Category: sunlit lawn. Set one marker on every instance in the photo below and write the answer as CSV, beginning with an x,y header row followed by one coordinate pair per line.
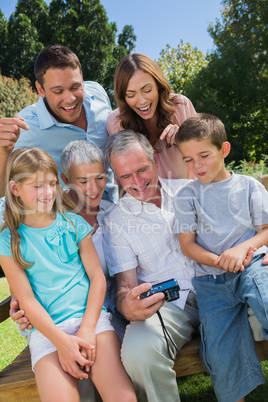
x,y
11,342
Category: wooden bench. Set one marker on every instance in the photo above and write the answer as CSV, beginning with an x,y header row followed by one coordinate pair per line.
x,y
17,381
264,180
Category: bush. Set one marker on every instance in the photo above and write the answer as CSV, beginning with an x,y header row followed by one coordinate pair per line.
x,y
250,168
15,95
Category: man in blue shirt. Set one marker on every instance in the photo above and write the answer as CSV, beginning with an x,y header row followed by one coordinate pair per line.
x,y
68,109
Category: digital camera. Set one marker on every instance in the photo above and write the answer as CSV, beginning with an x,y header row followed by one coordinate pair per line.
x,y
170,288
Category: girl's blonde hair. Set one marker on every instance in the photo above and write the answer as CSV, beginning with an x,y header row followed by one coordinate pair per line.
x,y
123,73
22,164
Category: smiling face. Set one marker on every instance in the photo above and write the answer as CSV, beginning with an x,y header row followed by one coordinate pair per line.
x,y
88,181
63,90
205,160
137,174
142,94
37,193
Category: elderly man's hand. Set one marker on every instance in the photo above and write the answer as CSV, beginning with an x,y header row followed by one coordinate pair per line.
x,y
133,308
18,315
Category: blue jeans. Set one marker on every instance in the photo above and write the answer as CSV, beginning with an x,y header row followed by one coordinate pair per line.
x,y
227,347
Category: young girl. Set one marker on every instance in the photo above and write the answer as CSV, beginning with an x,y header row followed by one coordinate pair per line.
x,y
54,271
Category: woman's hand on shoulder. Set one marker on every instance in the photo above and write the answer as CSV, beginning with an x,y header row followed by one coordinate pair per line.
x,y
169,133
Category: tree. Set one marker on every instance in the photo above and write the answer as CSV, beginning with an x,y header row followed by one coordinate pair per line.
x,y
127,38
234,85
22,46
37,11
181,65
3,35
25,31
82,25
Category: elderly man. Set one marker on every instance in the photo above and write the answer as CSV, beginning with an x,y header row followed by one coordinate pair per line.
x,y
141,250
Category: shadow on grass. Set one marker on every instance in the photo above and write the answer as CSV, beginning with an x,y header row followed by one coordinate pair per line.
x,y
199,388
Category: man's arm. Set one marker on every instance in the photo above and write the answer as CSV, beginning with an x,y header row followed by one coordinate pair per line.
x,y
128,301
10,128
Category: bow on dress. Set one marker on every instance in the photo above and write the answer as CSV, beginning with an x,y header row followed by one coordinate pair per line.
x,y
63,238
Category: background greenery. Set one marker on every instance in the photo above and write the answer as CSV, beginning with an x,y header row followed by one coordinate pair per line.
x,y
230,82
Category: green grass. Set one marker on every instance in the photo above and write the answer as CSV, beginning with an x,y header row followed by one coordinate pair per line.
x,y
195,388
199,388
11,342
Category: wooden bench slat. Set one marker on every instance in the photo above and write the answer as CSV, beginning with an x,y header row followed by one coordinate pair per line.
x,y
4,309
20,369
190,363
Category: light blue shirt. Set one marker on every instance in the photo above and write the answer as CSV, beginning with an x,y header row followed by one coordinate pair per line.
x,y
222,214
52,136
57,276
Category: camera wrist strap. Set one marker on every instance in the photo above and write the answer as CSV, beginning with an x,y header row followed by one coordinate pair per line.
x,y
168,338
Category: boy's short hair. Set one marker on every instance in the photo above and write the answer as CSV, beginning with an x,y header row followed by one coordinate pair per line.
x,y
54,56
202,126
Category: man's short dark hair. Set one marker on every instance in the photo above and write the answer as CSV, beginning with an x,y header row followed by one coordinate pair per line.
x,y
54,56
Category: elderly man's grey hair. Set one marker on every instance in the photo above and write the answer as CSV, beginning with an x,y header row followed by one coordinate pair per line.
x,y
78,152
121,143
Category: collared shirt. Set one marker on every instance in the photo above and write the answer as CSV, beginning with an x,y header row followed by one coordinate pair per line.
x,y
51,135
170,163
138,235
222,214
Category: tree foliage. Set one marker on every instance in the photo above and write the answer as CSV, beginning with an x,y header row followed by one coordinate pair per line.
x,y
15,95
234,85
3,36
181,65
82,25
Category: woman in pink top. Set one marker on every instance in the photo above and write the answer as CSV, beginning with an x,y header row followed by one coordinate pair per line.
x,y
146,104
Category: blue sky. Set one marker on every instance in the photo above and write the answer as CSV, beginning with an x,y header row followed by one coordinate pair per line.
x,y
158,22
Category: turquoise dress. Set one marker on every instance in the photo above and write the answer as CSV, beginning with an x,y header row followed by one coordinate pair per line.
x,y
57,276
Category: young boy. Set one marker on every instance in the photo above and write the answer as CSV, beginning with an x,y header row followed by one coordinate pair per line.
x,y
220,217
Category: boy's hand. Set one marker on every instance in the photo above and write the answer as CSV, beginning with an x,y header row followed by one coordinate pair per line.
x,y
265,259
249,256
232,260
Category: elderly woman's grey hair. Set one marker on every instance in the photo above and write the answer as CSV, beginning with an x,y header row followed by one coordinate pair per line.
x,y
122,142
78,152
